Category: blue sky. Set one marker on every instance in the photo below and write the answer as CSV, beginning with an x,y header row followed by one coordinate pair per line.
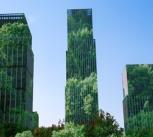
x,y
123,30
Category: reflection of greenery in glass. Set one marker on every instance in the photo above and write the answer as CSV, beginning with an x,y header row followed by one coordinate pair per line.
x,y
140,98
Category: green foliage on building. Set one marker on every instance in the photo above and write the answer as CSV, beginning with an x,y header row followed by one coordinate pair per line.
x,y
138,104
16,73
85,90
79,19
143,121
14,34
140,79
81,72
11,35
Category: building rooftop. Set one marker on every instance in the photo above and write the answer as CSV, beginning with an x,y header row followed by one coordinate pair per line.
x,y
12,17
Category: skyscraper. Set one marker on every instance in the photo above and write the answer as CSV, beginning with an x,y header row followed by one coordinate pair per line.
x,y
16,71
81,93
138,97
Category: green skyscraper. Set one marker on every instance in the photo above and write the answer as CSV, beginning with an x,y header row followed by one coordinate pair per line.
x,y
81,93
16,72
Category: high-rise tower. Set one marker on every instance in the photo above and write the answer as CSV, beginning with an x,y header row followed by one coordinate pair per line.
x,y
16,71
138,97
81,93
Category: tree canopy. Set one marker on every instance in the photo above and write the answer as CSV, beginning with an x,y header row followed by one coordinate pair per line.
x,y
70,130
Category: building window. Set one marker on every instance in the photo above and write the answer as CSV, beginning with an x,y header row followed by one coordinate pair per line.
x,y
89,12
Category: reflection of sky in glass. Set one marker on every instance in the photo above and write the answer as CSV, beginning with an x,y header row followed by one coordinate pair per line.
x,y
124,35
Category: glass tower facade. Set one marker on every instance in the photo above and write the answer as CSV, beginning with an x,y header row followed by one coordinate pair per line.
x,y
16,71
81,93
138,97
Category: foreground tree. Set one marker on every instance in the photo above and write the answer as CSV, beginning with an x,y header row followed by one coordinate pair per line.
x,y
47,132
104,126
24,134
70,130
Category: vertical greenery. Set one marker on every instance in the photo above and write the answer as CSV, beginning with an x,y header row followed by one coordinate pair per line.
x,y
139,99
78,19
140,79
15,40
81,86
86,91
